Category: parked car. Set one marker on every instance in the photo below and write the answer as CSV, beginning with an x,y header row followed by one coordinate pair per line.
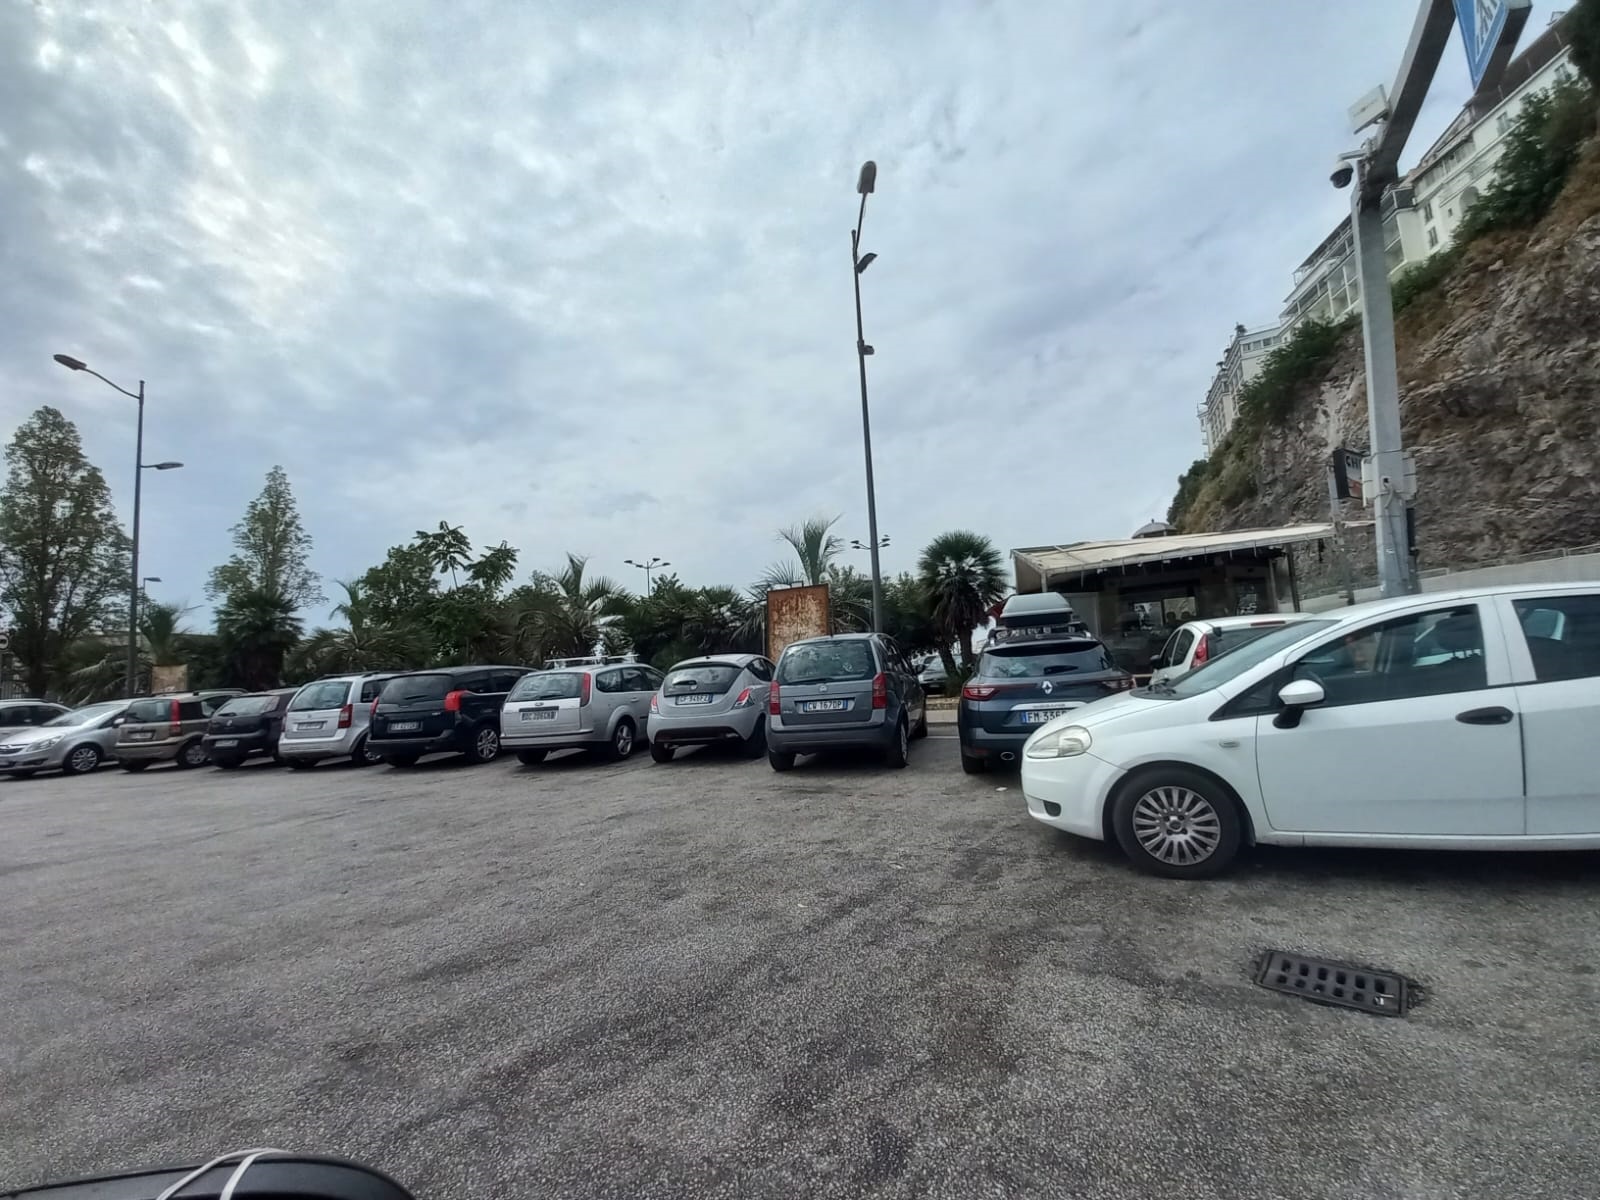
x,y
1039,662
847,690
1442,721
247,727
74,743
1195,643
168,729
594,707
28,714
446,710
330,718
933,677
717,698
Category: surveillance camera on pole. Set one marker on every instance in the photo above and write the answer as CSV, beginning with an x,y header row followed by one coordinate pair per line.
x,y
1343,172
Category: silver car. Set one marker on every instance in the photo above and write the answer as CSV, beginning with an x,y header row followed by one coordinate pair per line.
x,y
592,707
717,698
75,742
328,718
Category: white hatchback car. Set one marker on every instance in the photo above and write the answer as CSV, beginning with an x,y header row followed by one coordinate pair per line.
x,y
1195,643
1460,720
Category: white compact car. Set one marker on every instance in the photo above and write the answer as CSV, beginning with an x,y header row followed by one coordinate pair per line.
x,y
1195,643
1460,720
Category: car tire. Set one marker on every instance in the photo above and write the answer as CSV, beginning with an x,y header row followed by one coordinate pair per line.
x,y
191,756
305,764
1177,822
403,760
755,745
972,764
134,765
781,760
359,756
485,744
81,760
622,740
660,752
898,752
531,758
228,764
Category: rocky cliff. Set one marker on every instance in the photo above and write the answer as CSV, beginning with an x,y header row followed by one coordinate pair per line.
x,y
1500,403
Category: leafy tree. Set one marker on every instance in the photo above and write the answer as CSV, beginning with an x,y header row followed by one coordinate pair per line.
x,y
398,590
447,548
1583,31
63,558
961,576
573,610
905,615
1188,488
257,629
1541,148
363,643
271,547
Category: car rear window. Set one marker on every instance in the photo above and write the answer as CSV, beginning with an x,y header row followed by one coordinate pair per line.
x,y
701,677
330,693
247,706
144,712
547,685
827,662
403,689
1038,662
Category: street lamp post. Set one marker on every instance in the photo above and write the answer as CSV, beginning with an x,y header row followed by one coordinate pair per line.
x,y
649,565
77,364
858,544
866,182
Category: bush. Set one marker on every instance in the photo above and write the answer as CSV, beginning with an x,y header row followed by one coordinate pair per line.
x,y
1270,396
1583,27
1542,146
1420,278
1188,488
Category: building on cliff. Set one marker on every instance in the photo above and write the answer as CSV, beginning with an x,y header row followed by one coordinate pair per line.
x,y
1240,363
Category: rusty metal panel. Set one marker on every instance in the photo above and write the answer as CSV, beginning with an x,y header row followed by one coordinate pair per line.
x,y
169,679
795,613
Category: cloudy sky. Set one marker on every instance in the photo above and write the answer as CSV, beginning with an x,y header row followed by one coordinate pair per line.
x,y
576,275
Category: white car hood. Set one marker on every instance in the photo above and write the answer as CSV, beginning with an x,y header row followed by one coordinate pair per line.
x,y
1137,708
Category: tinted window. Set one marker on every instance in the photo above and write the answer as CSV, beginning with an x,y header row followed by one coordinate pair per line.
x,y
1182,643
1563,635
1230,666
370,689
761,669
146,712
547,685
504,681
701,677
330,693
87,716
248,706
827,662
407,689
1223,640
206,705
1420,654
1037,662
608,681
472,681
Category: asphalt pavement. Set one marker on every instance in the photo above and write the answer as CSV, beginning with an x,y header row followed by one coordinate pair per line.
x,y
707,979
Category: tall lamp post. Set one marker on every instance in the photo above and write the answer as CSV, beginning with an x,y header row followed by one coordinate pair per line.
x,y
77,364
647,566
865,183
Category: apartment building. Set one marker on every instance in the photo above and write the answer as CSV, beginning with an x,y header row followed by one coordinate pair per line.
x,y
1239,364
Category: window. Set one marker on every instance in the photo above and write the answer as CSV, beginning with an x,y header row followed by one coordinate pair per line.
x,y
206,706
330,693
87,716
370,689
1427,211
1039,662
635,680
409,689
761,669
1563,635
827,660
504,681
608,681
1183,642
1433,237
248,706
1421,654
652,678
1502,123
547,685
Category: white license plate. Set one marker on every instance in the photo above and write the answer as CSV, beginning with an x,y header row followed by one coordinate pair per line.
x,y
1038,716
811,706
404,726
701,699
538,714
224,743
142,735
302,725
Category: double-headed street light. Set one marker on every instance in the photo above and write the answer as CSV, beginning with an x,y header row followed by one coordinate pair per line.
x,y
135,584
866,182
647,566
858,544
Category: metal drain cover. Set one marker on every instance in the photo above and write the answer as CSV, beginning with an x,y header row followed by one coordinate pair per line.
x,y
1323,982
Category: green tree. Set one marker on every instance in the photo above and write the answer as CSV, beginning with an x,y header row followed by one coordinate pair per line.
x,y
363,643
1583,31
962,577
1541,148
258,629
100,667
816,548
447,548
905,615
63,557
572,609
270,550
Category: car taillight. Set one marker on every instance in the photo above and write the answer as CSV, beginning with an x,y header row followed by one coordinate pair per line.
x,y
775,700
1202,650
978,691
585,684
880,690
452,701
345,714
374,711
744,699
176,719
655,703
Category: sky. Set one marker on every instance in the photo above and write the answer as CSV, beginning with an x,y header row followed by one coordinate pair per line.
x,y
576,275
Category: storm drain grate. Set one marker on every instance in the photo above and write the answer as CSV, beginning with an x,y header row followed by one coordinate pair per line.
x,y
1380,992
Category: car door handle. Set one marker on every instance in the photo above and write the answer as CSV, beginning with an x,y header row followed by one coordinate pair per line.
x,y
1486,716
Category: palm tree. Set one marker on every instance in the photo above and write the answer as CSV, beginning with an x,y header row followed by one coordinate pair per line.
x,y
816,548
258,629
571,612
961,577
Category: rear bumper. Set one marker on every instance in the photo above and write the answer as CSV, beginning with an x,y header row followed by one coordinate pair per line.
x,y
320,748
809,739
450,742
718,727
518,737
243,744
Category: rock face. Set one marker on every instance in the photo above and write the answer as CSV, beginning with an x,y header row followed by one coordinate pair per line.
x,y
1500,404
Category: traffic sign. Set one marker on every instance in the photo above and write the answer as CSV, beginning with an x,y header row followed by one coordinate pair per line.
x,y
1482,24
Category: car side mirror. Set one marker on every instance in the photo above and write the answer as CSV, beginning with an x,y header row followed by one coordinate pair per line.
x,y
1295,697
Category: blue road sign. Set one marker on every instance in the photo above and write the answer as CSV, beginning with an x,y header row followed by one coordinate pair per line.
x,y
1482,22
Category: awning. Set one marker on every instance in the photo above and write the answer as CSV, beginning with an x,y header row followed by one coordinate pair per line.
x,y
1089,558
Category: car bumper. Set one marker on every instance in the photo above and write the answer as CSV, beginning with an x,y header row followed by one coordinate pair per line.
x,y
315,749
33,760
718,727
519,738
809,739
1070,793
243,744
444,743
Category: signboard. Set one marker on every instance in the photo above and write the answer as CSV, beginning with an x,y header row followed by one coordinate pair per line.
x,y
1347,474
1482,22
795,613
169,679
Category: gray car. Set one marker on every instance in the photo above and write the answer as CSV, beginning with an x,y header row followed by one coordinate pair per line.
x,y
717,698
848,690
605,707
74,743
328,718
24,713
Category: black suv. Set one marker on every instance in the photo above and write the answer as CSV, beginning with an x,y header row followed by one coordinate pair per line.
x,y
447,710
1040,662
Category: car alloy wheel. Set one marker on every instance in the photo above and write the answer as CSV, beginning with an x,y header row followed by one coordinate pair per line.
x,y
82,760
1176,826
622,740
192,755
487,745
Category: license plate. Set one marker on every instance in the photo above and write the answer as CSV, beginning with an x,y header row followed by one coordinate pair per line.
x,y
538,714
1038,716
404,726
224,743
702,699
309,724
811,706
142,735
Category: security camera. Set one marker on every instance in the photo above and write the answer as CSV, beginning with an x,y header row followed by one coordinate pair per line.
x,y
1343,173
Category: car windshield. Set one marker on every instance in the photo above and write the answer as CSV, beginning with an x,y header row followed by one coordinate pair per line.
x,y
329,693
547,685
1235,663
1037,662
247,706
827,662
86,716
404,689
701,677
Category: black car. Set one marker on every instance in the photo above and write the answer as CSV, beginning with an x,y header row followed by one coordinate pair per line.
x,y
1041,661
247,727
446,710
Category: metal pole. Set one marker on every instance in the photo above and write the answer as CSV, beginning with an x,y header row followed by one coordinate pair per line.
x,y
866,425
133,591
1395,574
1341,555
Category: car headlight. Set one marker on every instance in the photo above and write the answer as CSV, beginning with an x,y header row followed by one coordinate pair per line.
x,y
1060,743
46,743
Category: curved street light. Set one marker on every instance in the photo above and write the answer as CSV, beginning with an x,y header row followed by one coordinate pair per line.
x,y
866,184
649,565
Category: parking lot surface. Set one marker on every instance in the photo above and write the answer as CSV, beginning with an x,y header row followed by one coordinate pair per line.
x,y
707,979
